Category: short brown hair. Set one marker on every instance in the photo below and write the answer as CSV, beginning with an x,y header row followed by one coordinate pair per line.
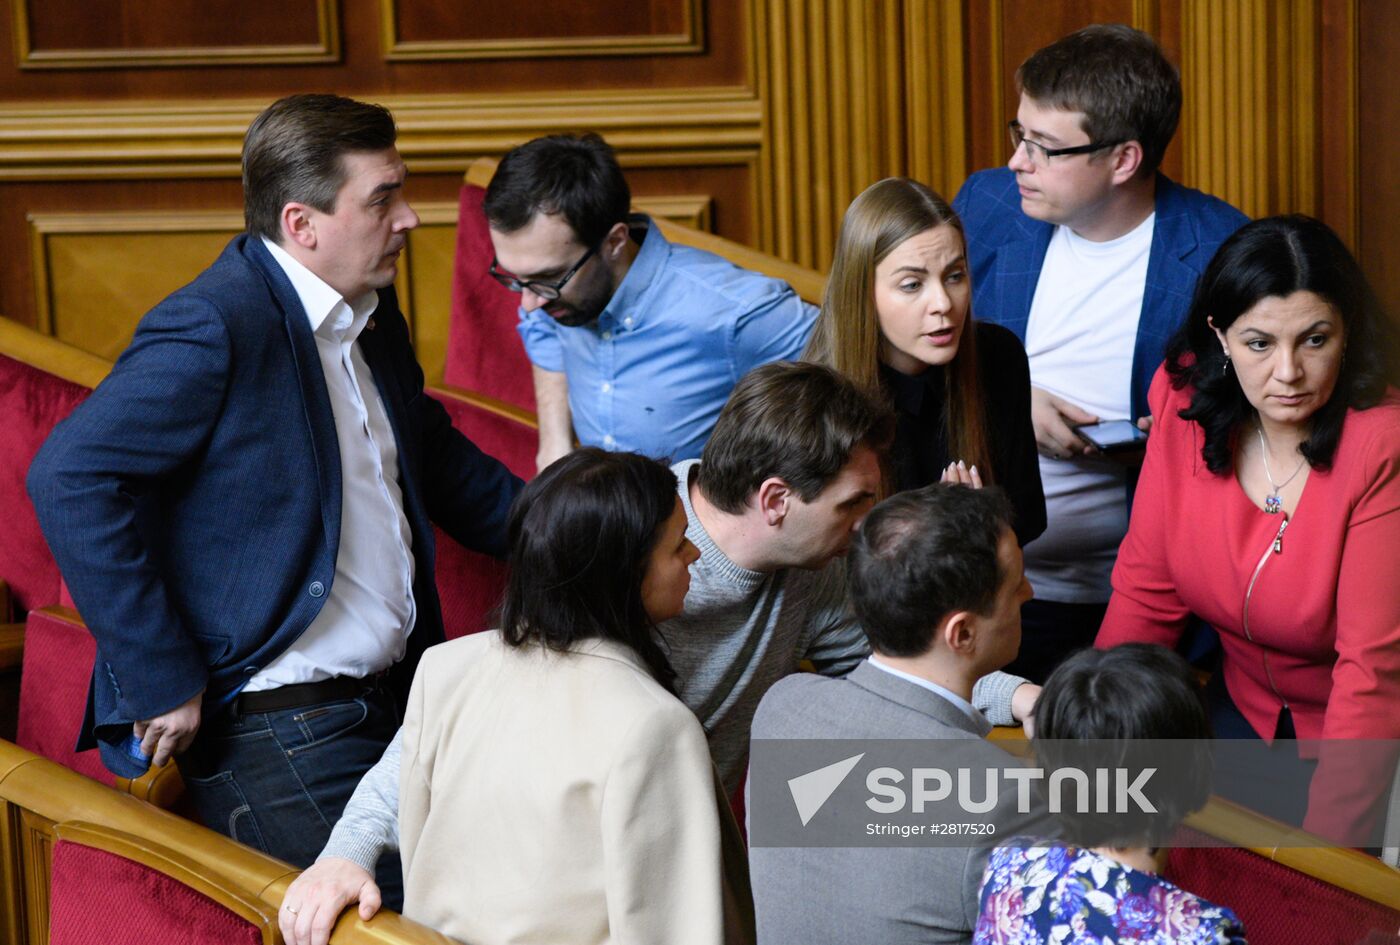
x,y
293,153
798,422
1118,77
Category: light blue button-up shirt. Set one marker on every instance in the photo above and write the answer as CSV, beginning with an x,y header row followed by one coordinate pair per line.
x,y
652,373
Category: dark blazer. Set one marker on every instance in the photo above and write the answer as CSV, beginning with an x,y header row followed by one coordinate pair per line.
x,y
920,452
1006,249
193,501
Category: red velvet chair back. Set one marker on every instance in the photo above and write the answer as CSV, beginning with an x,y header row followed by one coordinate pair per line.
x,y
470,584
1279,905
32,402
101,897
53,685
484,352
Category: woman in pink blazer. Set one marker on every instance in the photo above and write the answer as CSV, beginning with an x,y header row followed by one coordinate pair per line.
x,y
1269,507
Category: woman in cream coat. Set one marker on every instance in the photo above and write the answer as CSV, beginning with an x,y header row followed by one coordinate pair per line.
x,y
553,788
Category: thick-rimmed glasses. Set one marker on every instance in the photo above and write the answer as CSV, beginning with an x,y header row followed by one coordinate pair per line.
x,y
1040,155
549,291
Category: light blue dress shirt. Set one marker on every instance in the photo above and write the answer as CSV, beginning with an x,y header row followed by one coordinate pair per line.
x,y
652,373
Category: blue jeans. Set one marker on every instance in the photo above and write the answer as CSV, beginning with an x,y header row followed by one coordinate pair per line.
x,y
278,781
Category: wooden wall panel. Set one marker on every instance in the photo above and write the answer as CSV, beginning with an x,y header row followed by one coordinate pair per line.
x,y
1378,164
75,34
97,273
425,29
364,69
763,118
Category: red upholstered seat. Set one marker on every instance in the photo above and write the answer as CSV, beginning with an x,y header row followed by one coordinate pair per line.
x,y
100,898
484,353
470,584
1279,905
31,403
58,656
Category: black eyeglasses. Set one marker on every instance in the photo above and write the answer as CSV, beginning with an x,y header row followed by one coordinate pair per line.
x,y
1040,154
549,291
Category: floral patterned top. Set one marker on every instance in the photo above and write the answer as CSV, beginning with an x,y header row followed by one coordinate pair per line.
x,y
1062,895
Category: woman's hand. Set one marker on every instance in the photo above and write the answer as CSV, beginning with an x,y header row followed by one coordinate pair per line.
x,y
314,900
962,474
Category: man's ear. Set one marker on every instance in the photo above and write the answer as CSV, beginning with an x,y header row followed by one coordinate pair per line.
x,y
774,495
959,633
614,242
298,225
1127,159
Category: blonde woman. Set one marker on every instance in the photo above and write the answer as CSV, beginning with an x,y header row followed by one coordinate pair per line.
x,y
896,317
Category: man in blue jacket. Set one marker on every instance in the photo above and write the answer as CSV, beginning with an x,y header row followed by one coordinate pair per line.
x,y
1086,251
241,509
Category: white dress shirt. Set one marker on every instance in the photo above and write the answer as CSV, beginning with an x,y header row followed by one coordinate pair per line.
x,y
369,610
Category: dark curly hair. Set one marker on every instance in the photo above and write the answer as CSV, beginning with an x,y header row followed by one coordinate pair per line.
x,y
1276,257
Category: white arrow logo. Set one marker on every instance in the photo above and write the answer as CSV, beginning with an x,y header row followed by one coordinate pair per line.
x,y
811,790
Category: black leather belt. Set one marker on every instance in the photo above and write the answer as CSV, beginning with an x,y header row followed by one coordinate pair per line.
x,y
295,696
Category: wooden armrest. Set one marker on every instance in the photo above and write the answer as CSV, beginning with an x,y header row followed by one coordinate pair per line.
x,y
11,646
159,786
485,402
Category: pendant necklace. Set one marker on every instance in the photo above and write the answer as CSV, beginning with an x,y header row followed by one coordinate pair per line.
x,y
1273,503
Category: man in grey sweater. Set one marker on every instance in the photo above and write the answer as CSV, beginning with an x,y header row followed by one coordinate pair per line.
x,y
786,478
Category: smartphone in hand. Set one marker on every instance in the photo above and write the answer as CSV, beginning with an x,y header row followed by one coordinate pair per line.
x,y
1112,436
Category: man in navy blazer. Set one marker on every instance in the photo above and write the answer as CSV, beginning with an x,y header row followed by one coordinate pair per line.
x,y
242,508
1090,255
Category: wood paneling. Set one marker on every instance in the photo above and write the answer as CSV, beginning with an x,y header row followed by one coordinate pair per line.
x,y
96,274
363,70
1249,73
79,34
834,116
422,29
777,111
1378,164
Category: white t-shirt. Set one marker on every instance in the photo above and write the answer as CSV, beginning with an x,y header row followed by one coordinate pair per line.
x,y
1080,341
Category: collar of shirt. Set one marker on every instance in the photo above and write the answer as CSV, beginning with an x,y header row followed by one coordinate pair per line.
x,y
330,315
967,708
625,309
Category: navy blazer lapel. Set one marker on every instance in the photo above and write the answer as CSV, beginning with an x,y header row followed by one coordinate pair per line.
x,y
915,698
316,400
1017,273
1169,285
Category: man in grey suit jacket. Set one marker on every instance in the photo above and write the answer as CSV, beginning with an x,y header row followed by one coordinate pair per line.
x,y
936,581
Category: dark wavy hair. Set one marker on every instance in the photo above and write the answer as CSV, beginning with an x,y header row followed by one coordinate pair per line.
x,y
580,535
1138,706
1276,257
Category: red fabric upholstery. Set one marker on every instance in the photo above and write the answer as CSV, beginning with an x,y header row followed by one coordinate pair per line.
x,y
484,353
53,685
1278,905
508,440
99,898
31,403
470,584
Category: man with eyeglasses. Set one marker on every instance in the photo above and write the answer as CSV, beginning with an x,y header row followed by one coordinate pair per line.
x,y
634,342
1086,251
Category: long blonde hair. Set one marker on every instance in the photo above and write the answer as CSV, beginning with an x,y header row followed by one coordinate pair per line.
x,y
847,335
